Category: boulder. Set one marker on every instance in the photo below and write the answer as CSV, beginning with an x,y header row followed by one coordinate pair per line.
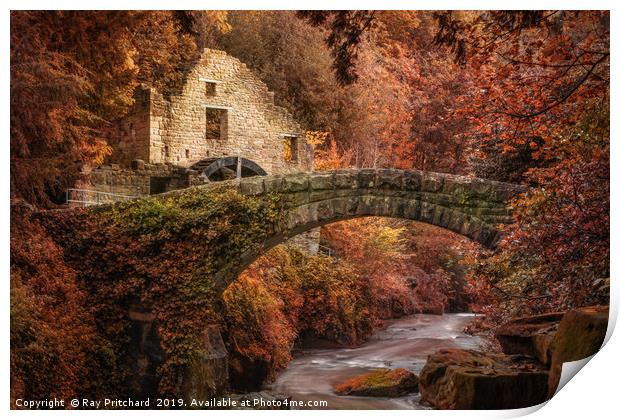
x,y
381,383
580,334
469,379
531,336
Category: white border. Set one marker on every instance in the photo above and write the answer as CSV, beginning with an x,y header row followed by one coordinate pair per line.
x,y
593,394
313,5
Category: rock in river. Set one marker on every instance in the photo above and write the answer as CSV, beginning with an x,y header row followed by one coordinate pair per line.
x,y
556,338
468,379
381,383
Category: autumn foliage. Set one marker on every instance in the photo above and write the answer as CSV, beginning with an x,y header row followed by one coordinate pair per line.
x,y
286,297
377,269
516,96
557,252
56,350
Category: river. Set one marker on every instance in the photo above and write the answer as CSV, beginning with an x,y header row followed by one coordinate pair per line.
x,y
403,343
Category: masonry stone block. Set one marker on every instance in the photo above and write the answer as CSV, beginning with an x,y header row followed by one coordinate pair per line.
x,y
352,205
296,198
391,179
366,178
427,212
322,181
412,181
321,195
273,184
325,211
345,180
295,183
432,182
252,186
412,209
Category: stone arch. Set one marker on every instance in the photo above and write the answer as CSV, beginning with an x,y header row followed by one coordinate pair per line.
x,y
210,167
471,207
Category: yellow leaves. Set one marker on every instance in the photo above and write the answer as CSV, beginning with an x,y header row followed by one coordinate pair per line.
x,y
387,240
316,138
220,19
288,151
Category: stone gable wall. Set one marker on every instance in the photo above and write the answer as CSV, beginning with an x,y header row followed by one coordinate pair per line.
x,y
166,131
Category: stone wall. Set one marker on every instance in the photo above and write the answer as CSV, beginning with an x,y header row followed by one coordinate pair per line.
x,y
131,136
140,179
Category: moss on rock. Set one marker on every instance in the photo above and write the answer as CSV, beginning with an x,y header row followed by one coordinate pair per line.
x,y
382,383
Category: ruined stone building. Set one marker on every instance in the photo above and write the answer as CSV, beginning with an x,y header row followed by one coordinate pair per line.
x,y
223,124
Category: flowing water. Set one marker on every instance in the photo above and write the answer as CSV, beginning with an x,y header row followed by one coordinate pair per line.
x,y
404,343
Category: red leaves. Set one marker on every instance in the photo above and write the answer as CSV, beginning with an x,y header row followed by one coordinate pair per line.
x,y
559,245
52,330
537,80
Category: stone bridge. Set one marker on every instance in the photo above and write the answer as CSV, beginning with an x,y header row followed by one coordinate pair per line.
x,y
472,207
179,219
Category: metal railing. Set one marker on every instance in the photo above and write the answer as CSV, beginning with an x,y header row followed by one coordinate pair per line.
x,y
325,250
84,197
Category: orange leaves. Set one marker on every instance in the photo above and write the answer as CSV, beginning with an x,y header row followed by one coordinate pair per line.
x,y
285,295
332,158
537,80
388,254
316,138
257,326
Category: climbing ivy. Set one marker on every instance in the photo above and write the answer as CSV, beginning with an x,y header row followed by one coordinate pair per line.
x,y
160,254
